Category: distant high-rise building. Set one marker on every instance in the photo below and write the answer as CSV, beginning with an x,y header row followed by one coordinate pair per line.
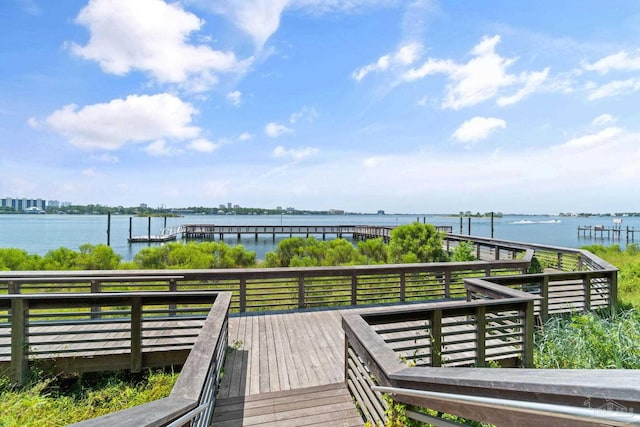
x,y
23,203
53,203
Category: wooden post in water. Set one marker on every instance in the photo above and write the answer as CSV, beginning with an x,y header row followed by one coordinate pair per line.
x,y
469,226
130,227
492,225
108,228
460,224
149,229
165,221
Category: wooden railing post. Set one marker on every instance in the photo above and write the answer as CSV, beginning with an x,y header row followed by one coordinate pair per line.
x,y
19,340
403,287
436,338
613,291
544,303
13,287
481,337
447,283
586,286
173,287
136,334
560,261
527,338
496,248
96,286
301,292
243,294
354,289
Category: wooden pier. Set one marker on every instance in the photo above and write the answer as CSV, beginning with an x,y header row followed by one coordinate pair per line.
x,y
357,232
166,235
610,233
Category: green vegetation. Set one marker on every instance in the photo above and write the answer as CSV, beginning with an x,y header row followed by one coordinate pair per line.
x,y
416,243
628,261
194,255
299,252
63,400
590,341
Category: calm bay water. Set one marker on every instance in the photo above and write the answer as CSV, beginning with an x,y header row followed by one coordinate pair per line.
x,y
39,234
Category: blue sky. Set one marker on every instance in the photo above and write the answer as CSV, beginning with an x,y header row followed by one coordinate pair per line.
x,y
406,106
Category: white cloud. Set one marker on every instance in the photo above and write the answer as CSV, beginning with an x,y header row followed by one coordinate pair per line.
x,y
245,136
90,173
602,138
604,119
216,188
135,119
30,7
274,130
295,154
480,79
404,56
159,148
151,36
202,145
620,61
532,82
259,19
306,113
105,158
478,128
235,97
616,87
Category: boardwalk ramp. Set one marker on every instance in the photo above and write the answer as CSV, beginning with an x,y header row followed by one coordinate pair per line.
x,y
328,405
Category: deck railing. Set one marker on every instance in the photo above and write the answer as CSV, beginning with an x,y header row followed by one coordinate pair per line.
x,y
261,289
193,396
402,349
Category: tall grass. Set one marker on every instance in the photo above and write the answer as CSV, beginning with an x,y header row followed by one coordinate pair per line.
x,y
589,341
60,401
628,261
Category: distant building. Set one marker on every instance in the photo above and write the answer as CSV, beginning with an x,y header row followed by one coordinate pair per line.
x,y
229,205
381,212
53,203
65,204
22,204
143,206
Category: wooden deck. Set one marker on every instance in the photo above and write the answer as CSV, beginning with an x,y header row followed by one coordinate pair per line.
x,y
285,369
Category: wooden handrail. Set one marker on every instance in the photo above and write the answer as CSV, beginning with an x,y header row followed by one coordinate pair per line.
x,y
196,385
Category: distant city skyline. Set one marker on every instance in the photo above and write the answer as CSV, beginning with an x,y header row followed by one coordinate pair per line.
x,y
361,105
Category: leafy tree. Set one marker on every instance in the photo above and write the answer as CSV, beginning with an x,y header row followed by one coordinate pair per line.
x,y
416,242
60,259
374,251
286,250
463,252
18,259
310,252
341,252
195,255
97,257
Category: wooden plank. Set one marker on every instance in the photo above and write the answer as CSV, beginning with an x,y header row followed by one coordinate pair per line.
x,y
325,405
272,357
254,363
